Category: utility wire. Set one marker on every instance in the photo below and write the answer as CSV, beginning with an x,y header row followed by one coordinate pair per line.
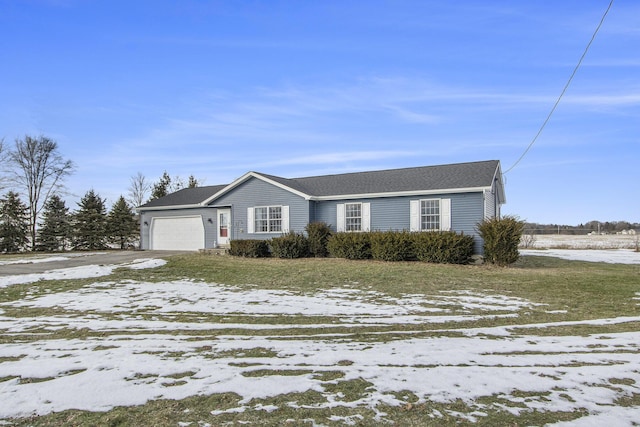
x,y
566,86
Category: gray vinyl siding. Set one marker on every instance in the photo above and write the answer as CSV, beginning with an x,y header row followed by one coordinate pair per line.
x,y
489,205
205,213
466,213
255,192
393,213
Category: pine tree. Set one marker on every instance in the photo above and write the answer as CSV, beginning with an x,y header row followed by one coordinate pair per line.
x,y
122,226
14,224
55,230
167,185
193,182
90,223
162,187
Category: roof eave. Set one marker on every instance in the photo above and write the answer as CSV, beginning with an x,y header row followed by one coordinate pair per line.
x,y
165,207
402,193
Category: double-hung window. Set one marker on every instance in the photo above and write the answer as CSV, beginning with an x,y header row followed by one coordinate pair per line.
x,y
353,217
430,215
268,219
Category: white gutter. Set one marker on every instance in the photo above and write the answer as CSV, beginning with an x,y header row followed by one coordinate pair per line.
x,y
401,193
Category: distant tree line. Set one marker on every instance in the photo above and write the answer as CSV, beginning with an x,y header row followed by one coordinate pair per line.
x,y
34,216
607,227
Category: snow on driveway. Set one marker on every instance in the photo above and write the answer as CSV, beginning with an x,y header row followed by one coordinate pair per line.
x,y
81,272
48,258
174,351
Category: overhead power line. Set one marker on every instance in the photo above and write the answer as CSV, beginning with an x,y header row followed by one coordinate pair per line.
x,y
566,86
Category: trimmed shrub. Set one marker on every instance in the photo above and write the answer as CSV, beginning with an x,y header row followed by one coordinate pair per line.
x,y
501,238
443,247
249,248
318,234
290,245
392,245
350,245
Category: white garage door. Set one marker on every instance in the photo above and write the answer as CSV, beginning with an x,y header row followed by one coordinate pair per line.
x,y
177,233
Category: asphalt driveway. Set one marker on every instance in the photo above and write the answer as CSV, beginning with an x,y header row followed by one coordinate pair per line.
x,y
40,263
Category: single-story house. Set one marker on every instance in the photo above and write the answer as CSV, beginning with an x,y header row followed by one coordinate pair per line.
x,y
260,206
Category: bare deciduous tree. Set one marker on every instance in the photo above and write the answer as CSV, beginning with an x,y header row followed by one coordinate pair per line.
x,y
37,168
138,190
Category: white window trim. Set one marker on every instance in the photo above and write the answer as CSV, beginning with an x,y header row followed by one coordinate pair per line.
x,y
365,215
284,219
415,222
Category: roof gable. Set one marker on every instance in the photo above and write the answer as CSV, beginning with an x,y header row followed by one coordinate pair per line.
x,y
284,183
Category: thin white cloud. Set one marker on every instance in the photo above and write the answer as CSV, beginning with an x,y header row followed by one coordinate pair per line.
x,y
290,130
340,157
603,100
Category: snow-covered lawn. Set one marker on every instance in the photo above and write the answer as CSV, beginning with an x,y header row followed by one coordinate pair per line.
x,y
598,241
612,256
176,349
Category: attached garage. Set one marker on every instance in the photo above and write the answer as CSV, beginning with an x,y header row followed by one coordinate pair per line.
x,y
184,233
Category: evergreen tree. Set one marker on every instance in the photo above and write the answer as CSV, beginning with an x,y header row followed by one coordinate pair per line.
x,y
122,226
193,182
90,223
167,185
14,224
55,230
162,187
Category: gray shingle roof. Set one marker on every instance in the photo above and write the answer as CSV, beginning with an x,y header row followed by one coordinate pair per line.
x,y
424,178
186,196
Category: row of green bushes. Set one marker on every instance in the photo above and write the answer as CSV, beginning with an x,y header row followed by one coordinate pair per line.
x,y
439,247
501,237
443,247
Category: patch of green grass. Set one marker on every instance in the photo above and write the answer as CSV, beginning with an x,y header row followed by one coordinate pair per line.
x,y
276,372
181,375
631,400
589,290
247,352
349,391
154,413
300,409
623,381
28,380
328,375
104,347
12,358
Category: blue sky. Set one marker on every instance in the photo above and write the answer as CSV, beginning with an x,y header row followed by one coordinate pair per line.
x,y
300,88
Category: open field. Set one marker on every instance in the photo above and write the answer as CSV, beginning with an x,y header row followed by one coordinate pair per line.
x,y
212,340
561,241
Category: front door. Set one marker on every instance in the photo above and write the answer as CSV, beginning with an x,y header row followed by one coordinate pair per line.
x,y
224,219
